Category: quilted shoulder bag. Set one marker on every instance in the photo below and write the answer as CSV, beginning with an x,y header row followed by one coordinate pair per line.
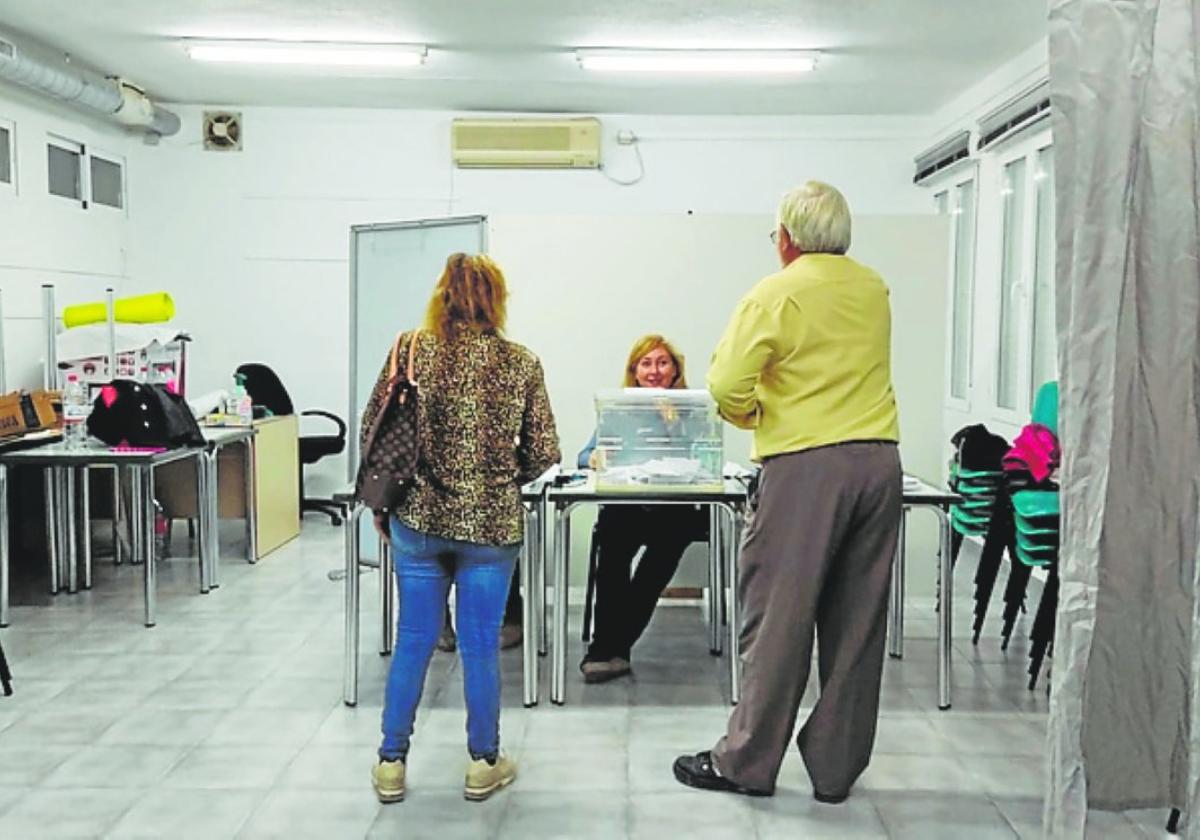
x,y
391,451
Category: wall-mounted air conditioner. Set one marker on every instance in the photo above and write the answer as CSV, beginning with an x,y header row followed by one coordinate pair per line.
x,y
527,143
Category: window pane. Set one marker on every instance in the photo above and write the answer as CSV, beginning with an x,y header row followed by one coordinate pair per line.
x,y
5,156
106,182
1008,355
964,281
64,172
1045,351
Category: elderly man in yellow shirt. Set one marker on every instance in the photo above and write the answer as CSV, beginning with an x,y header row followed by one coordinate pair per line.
x,y
806,363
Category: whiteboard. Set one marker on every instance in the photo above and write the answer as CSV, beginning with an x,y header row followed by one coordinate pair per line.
x,y
584,287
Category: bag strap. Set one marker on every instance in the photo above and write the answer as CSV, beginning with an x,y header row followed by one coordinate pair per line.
x,y
412,352
394,363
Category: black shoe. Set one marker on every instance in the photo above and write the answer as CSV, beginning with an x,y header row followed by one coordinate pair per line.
x,y
830,798
698,771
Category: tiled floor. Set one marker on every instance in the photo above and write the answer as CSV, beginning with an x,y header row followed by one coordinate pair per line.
x,y
226,721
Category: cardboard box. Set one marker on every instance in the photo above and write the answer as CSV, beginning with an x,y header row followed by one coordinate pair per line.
x,y
22,412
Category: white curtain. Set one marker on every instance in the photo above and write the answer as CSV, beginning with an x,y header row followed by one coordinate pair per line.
x,y
1123,78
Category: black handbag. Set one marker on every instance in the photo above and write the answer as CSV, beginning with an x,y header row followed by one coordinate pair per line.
x,y
132,413
391,450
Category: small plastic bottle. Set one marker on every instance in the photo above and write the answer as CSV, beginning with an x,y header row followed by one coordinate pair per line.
x,y
76,408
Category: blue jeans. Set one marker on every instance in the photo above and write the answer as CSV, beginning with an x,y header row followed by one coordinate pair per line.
x,y
425,567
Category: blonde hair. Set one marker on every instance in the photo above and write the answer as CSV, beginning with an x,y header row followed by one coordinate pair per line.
x,y
816,218
471,294
647,344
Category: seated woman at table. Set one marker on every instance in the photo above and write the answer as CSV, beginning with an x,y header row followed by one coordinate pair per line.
x,y
625,602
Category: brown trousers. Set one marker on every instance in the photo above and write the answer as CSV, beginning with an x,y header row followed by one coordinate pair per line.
x,y
816,560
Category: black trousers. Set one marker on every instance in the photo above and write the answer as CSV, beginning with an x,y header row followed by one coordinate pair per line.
x,y
625,599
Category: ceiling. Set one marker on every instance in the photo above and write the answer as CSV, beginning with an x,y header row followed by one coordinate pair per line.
x,y
899,57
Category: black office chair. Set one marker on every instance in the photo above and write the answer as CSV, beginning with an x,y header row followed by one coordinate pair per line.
x,y
270,397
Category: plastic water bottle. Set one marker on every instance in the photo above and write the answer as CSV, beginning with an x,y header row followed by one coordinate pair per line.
x,y
76,408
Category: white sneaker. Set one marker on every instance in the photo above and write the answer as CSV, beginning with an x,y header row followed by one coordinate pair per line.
x,y
484,779
387,777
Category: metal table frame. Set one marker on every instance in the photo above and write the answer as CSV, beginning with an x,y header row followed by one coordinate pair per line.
x,y
532,582
66,472
207,497
928,497
722,577
723,540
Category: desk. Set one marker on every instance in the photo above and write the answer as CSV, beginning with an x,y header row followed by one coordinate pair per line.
x,y
16,444
532,581
66,466
731,500
260,484
722,575
917,494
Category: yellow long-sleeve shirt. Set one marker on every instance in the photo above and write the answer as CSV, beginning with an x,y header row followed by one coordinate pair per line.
x,y
806,359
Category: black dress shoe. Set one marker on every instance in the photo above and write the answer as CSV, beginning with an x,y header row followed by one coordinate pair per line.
x,y
698,771
830,798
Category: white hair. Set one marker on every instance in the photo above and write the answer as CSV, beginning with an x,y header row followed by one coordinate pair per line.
x,y
816,218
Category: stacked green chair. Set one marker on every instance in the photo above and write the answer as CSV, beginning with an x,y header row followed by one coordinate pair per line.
x,y
976,476
1037,518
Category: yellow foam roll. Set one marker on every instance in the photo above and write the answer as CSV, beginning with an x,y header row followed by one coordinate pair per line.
x,y
142,309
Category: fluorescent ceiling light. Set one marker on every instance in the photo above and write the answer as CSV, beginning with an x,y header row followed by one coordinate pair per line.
x,y
313,53
698,61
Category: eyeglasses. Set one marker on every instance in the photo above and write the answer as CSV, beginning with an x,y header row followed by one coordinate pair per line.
x,y
775,236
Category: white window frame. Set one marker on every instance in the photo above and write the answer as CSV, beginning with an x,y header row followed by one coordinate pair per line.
x,y
85,175
949,186
1027,149
117,160
10,188
1036,156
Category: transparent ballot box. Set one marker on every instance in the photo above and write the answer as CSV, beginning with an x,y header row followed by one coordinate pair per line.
x,y
656,438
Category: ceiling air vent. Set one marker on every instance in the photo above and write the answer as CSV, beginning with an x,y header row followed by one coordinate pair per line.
x,y
524,144
222,131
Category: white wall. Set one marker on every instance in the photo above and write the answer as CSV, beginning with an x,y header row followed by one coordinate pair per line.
x,y
48,239
682,275
254,244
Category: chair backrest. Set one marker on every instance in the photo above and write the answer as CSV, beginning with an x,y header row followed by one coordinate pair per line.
x,y
265,389
1045,406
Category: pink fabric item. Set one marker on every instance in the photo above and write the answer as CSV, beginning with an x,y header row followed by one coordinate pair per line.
x,y
1035,450
109,394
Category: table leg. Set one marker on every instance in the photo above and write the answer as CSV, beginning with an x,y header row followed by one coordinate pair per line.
x,y
946,608
543,624
387,589
353,545
714,582
735,623
4,558
145,512
85,525
251,504
562,535
48,479
202,515
896,594
72,537
212,537
116,515
529,609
